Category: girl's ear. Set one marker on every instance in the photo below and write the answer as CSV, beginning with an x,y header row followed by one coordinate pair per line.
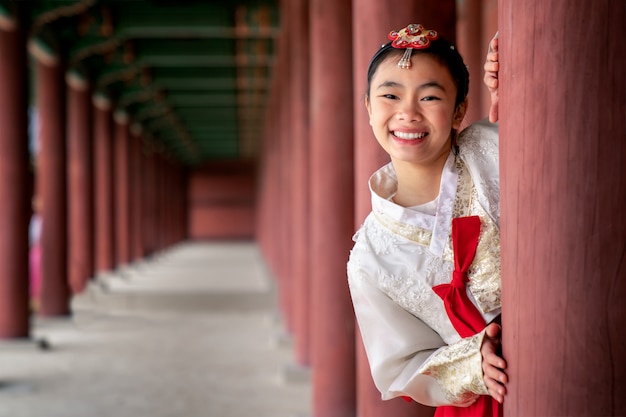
x,y
368,105
459,114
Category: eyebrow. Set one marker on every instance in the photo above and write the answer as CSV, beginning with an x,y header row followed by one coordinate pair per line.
x,y
430,84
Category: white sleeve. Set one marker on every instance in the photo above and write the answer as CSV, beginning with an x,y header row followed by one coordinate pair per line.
x,y
408,358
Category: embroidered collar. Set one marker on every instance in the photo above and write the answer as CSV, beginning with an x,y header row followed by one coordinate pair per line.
x,y
384,183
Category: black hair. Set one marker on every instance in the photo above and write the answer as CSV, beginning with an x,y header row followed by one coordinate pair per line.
x,y
441,49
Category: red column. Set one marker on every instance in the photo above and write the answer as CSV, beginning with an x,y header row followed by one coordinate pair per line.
x,y
298,21
14,185
136,206
173,169
156,186
148,187
181,202
167,201
164,200
266,193
275,183
282,223
121,188
372,21
273,192
470,35
183,187
103,183
158,206
331,214
489,25
563,193
55,292
80,183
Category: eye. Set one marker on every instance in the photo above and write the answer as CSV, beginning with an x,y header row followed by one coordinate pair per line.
x,y
389,96
430,98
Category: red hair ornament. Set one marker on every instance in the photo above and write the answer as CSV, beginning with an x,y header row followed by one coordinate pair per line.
x,y
414,36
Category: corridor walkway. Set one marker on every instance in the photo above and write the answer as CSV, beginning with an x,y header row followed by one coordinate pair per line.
x,y
191,333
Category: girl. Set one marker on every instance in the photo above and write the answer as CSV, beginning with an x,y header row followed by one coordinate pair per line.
x,y
424,272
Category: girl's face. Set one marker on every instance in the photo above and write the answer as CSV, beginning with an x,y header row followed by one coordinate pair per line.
x,y
412,111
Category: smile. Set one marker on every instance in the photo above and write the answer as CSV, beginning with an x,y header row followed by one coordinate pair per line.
x,y
409,136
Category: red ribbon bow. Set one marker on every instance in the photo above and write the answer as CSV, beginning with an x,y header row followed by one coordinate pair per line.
x,y
463,314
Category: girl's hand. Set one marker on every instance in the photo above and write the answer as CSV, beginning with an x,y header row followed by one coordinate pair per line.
x,y
493,365
492,66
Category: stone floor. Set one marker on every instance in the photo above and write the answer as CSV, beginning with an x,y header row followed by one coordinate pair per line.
x,y
192,332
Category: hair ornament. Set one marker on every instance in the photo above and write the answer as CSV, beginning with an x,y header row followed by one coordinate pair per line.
x,y
414,36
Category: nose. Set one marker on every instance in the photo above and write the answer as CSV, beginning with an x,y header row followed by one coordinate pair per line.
x,y
409,111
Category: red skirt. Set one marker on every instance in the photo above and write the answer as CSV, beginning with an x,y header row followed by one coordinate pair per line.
x,y
485,406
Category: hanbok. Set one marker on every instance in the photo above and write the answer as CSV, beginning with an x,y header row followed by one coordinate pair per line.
x,y
420,312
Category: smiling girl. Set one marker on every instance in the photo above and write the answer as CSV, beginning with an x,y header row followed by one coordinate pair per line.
x,y
424,272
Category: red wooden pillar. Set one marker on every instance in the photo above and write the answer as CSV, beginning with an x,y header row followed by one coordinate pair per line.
x,y
156,201
14,186
136,204
161,199
159,182
173,170
148,187
175,202
183,181
177,195
80,183
563,193
331,213
180,188
55,291
298,19
167,201
470,37
121,188
272,219
278,200
103,183
282,223
264,232
372,21
183,189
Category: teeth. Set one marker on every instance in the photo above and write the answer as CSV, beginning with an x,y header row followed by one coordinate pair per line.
x,y
405,135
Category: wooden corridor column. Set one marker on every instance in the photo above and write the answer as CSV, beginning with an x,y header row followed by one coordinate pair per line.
x,y
298,19
372,21
52,180
274,204
266,217
331,208
80,183
168,200
148,187
14,187
159,183
121,191
473,50
136,204
563,194
103,184
282,222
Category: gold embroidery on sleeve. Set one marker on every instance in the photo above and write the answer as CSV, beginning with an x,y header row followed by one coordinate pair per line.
x,y
457,368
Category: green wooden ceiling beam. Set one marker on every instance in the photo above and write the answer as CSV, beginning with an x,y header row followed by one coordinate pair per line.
x,y
194,74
